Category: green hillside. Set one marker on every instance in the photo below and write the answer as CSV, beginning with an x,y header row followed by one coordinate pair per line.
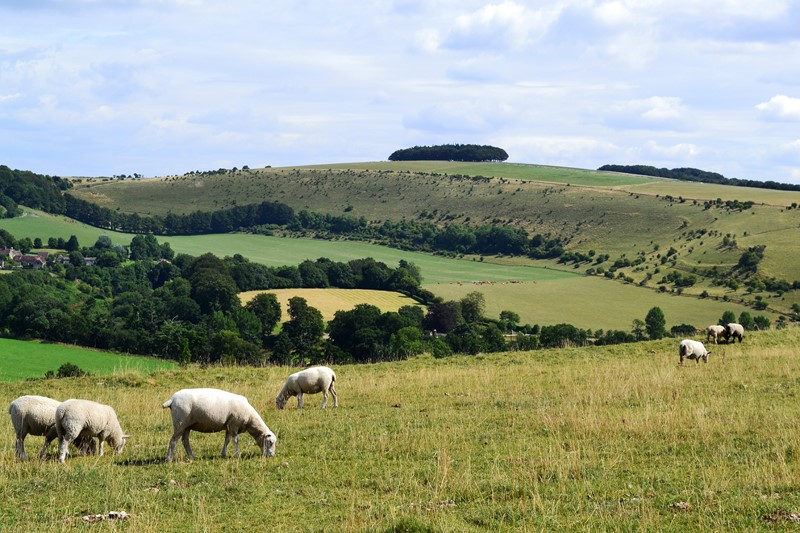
x,y
634,219
542,292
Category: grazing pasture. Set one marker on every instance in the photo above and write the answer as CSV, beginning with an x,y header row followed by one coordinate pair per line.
x,y
614,438
31,359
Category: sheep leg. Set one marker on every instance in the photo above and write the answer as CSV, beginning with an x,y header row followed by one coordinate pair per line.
x,y
324,399
333,393
63,444
20,447
225,444
171,448
102,442
299,400
42,453
186,446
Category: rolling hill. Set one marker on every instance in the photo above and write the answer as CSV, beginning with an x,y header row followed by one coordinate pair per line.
x,y
636,221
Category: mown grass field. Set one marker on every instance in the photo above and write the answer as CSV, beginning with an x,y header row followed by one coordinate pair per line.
x,y
23,360
328,301
617,438
591,303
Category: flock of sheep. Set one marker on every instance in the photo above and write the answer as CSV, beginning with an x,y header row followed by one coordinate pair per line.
x,y
80,422
691,349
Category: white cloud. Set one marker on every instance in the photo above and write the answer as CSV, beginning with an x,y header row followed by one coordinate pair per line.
x,y
656,112
677,152
506,25
780,107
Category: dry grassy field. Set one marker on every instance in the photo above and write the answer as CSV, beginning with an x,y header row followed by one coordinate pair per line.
x,y
614,438
328,301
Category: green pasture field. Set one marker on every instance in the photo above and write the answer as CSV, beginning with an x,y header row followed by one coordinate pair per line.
x,y
590,303
328,301
278,251
612,438
31,359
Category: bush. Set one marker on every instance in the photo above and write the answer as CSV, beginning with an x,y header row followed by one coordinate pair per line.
x,y
67,370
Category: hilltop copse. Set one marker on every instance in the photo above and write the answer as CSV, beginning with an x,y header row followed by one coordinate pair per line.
x,y
450,152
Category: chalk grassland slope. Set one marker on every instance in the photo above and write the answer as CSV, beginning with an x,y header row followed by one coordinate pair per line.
x,y
590,303
328,301
615,219
546,299
23,359
613,438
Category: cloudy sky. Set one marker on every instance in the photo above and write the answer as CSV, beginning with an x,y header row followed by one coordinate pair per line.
x,y
155,87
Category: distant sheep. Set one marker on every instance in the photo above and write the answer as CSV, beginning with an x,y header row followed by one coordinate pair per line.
x,y
308,381
81,419
36,415
715,331
690,349
212,410
734,330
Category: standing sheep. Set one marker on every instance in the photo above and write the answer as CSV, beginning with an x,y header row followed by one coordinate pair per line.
x,y
81,419
690,349
36,415
714,331
212,410
308,381
734,330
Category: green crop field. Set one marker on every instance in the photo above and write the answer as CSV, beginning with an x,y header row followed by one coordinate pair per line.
x,y
26,359
599,439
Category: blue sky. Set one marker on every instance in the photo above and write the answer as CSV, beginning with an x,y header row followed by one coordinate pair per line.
x,y
157,87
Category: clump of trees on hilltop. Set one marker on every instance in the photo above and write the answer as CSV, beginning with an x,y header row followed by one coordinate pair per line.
x,y
450,152
694,174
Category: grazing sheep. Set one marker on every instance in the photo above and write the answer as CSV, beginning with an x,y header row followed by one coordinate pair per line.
x,y
85,419
36,415
308,381
714,331
734,330
690,349
212,410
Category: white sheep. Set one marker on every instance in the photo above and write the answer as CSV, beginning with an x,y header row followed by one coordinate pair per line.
x,y
690,349
85,419
714,331
734,330
36,415
212,410
309,381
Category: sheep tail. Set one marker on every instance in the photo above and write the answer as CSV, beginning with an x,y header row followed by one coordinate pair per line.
x,y
167,404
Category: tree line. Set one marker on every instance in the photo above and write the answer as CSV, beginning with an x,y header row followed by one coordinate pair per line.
x,y
694,174
142,298
450,152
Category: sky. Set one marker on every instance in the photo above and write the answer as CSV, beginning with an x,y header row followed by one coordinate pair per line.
x,y
161,87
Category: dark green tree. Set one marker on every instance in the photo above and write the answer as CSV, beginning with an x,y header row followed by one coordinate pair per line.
x,y
655,323
305,326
